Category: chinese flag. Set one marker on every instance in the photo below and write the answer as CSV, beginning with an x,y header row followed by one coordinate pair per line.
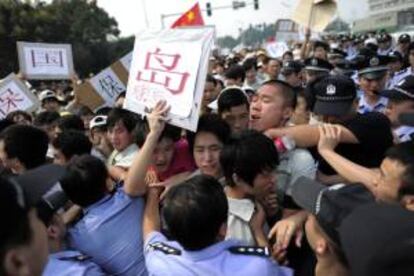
x,y
191,18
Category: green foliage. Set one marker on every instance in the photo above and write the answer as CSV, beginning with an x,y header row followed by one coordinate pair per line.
x,y
252,36
78,22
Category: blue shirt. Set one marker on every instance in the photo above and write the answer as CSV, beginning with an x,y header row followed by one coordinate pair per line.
x,y
111,233
216,259
71,263
379,106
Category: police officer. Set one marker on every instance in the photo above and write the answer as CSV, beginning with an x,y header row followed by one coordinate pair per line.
x,y
195,216
404,41
315,68
384,44
401,100
410,69
372,77
292,72
395,66
62,261
345,68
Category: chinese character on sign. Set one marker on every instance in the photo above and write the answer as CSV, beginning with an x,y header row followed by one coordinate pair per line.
x,y
159,69
46,58
110,86
8,101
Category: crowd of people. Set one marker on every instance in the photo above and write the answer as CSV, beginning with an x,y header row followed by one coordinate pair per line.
x,y
301,165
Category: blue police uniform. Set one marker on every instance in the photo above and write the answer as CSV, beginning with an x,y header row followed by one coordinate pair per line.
x,y
404,133
364,106
399,76
111,233
71,263
164,257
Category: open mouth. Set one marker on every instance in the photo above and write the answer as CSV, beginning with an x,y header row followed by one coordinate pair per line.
x,y
254,117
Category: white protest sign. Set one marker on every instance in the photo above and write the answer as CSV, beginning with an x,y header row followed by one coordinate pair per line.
x,y
45,61
14,95
108,85
170,65
276,49
126,61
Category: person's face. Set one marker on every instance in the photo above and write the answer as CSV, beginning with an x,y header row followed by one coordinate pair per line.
x,y
394,109
86,120
384,45
251,75
21,120
403,46
395,66
294,79
8,163
237,117
301,115
320,52
311,76
264,184
388,181
58,157
163,154
29,259
267,109
210,93
206,153
120,137
411,58
51,105
287,58
273,68
372,87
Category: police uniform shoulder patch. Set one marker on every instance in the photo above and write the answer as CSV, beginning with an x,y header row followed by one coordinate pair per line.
x,y
77,258
250,251
164,248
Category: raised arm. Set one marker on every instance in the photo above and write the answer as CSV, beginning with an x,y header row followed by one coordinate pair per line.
x,y
134,184
151,221
329,138
308,135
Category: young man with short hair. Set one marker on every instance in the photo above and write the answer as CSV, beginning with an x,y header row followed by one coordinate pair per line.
x,y
234,76
68,144
233,107
23,147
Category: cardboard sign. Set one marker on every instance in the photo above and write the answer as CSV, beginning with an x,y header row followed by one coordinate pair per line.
x,y
104,88
276,49
126,61
315,14
170,65
45,61
14,95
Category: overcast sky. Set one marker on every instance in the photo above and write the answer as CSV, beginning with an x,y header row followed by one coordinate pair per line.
x,y
130,14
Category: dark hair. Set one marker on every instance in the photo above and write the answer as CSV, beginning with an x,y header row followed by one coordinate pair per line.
x,y
70,122
103,110
194,211
248,155
46,118
85,180
26,143
235,72
231,97
13,114
72,142
210,78
403,153
276,59
300,92
286,90
287,53
211,123
5,123
249,64
17,230
170,131
128,118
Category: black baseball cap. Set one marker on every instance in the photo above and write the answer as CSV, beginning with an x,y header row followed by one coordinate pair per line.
x,y
395,56
291,67
317,64
378,239
404,38
329,204
373,66
334,95
403,91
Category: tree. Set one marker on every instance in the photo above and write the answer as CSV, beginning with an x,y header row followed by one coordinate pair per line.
x,y
80,23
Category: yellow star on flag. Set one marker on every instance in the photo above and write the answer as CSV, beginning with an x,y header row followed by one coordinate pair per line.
x,y
190,16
